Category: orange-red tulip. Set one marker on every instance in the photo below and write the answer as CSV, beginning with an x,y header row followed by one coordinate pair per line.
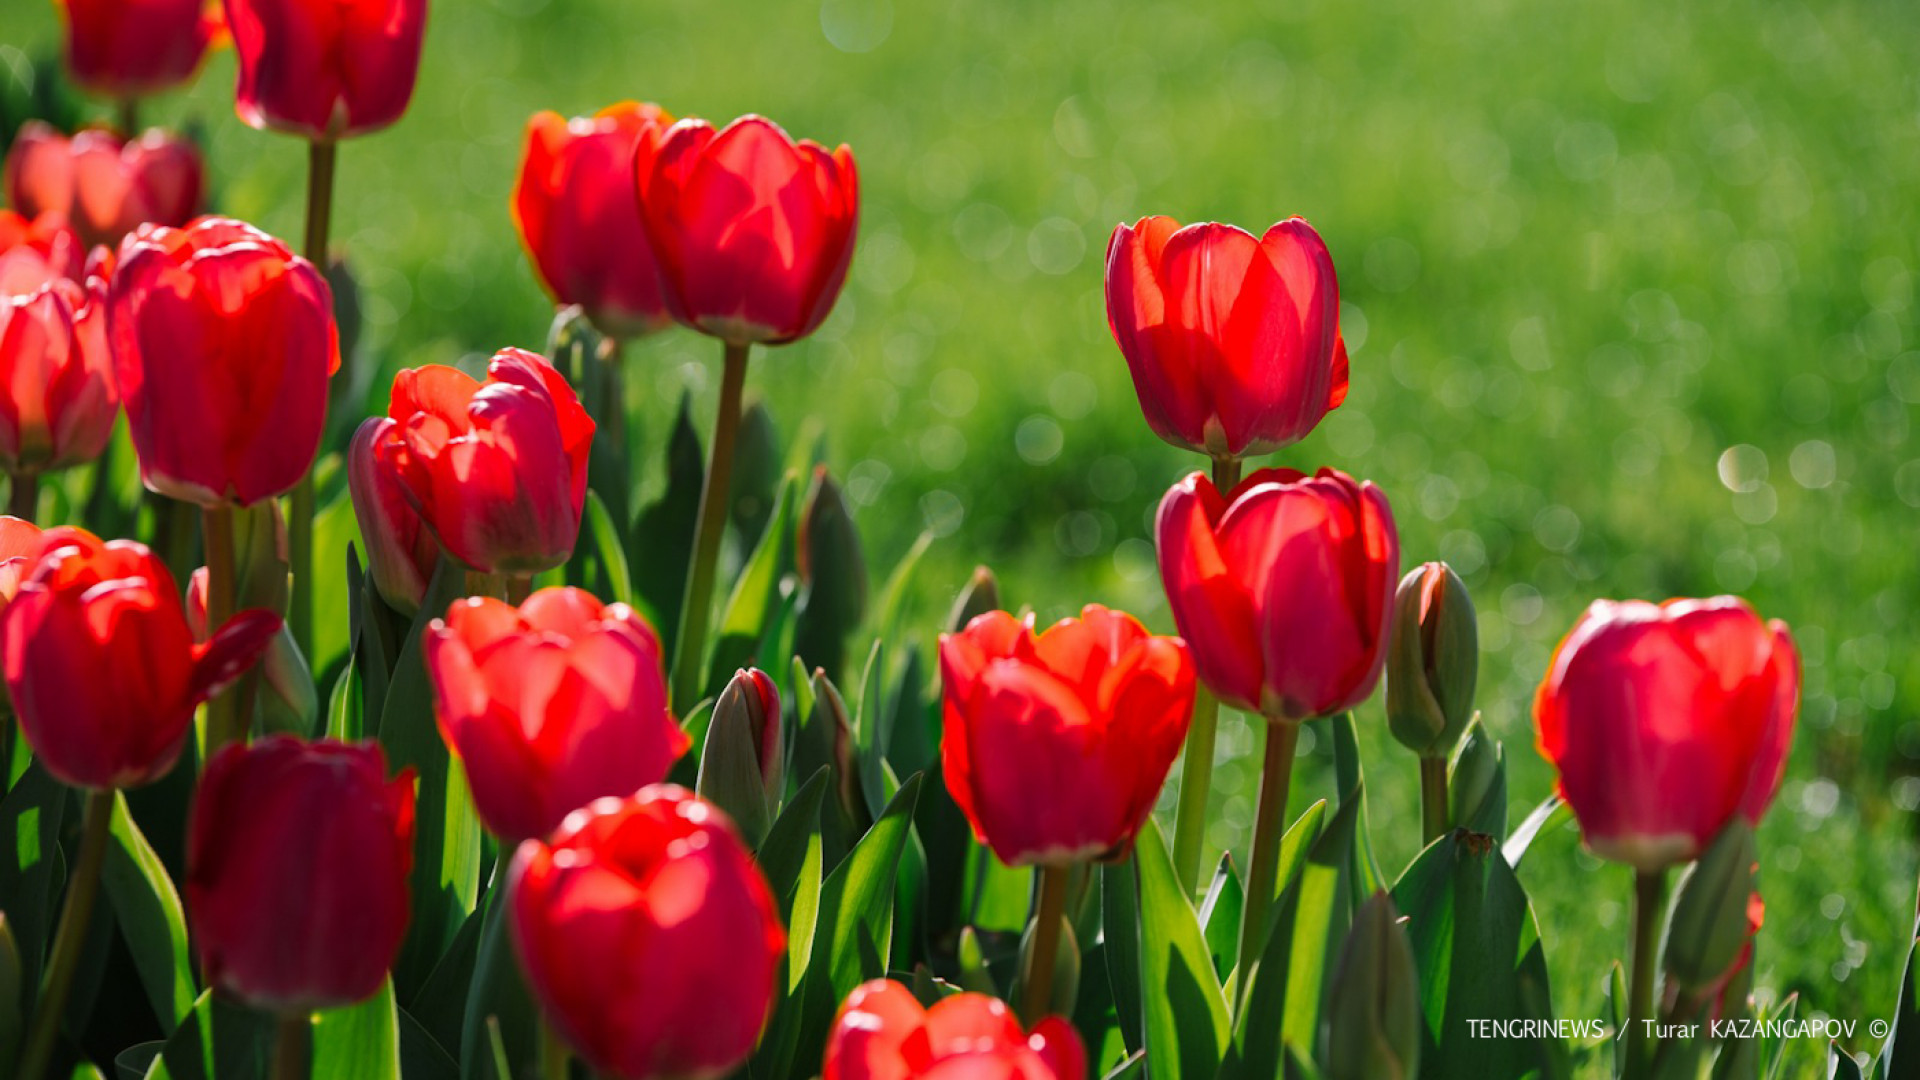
x,y
105,185
34,251
1666,720
1056,744
19,550
883,1033
326,69
57,395
126,48
401,551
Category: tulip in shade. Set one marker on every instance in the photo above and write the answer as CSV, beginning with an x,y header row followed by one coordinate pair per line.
x,y
34,251
1056,744
223,341
103,669
883,1033
106,186
1234,342
19,550
401,550
498,470
57,396
575,210
1665,721
127,48
648,935
1284,588
550,706
326,69
1433,660
297,862
753,231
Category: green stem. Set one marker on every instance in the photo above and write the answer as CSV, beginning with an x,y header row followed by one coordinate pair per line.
x,y
292,1047
1433,798
553,1052
129,110
1263,867
24,498
320,168
697,608
227,719
1649,898
613,396
519,587
1037,999
70,939
1196,770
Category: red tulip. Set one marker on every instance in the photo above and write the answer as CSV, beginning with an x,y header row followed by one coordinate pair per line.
x,y
648,935
128,48
57,397
883,1033
498,470
326,69
297,862
1234,342
105,185
103,668
1073,731
550,706
401,551
34,251
1284,589
19,550
1666,720
223,341
576,213
753,231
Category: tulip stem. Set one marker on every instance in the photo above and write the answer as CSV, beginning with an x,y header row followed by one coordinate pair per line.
x,y
24,498
227,721
1649,897
697,607
1433,797
1196,771
613,398
553,1052
129,109
320,162
1037,1000
292,1047
96,825
1263,867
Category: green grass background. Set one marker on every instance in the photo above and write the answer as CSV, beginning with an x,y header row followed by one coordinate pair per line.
x,y
1630,290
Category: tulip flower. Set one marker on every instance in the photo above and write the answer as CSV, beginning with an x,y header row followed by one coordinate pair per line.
x,y
1233,341
57,396
19,551
298,855
106,186
574,207
326,69
36,250
648,935
1665,721
103,668
1056,744
882,1032
498,470
223,341
551,705
129,48
401,551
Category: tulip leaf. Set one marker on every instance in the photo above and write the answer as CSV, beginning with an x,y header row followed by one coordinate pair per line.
x,y
151,919
1477,791
870,726
497,1002
133,1062
1120,938
1549,815
1220,915
662,537
423,1057
833,594
893,595
86,1070
1367,878
1841,1065
791,859
32,870
215,1040
1900,1056
608,548
754,604
757,471
344,715
1185,1025
13,994
361,1041
334,531
440,1005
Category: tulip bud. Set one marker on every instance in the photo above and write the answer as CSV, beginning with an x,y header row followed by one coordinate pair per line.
x,y
743,766
106,186
980,595
401,550
1433,660
833,576
1710,925
1477,784
1370,1027
326,71
882,1030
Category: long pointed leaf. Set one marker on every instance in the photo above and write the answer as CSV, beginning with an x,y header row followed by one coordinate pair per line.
x,y
151,918
1186,1026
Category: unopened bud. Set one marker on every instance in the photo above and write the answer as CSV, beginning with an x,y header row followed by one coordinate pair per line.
x,y
1371,1026
1715,910
1433,660
981,595
743,764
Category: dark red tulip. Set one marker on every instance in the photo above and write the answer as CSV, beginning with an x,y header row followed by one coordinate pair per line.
x,y
1666,720
401,551
103,668
753,231
1233,341
106,186
883,1033
128,48
19,550
577,217
326,69
57,395
34,251
297,862
223,341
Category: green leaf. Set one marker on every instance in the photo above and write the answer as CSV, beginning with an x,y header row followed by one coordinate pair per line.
x,y
1220,915
662,538
757,470
13,994
422,1057
151,919
753,606
1840,1064
133,1062
1477,789
440,1005
791,859
1186,1028
497,1000
344,715
1120,938
216,1040
1367,878
361,1041
870,727
1549,815
1900,1056
31,869
607,547
334,531
893,596
833,574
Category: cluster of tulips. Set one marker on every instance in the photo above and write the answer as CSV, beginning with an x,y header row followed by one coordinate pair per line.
x,y
744,929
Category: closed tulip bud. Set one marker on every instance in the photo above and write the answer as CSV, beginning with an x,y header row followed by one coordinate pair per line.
x,y
882,1032
1056,744
833,575
103,668
1714,918
19,550
131,48
1477,781
401,550
753,231
574,207
1433,660
550,705
1666,722
636,894
743,767
105,185
298,855
326,69
980,595
1233,341
1370,1028
1284,588
223,342
57,396
34,251
498,470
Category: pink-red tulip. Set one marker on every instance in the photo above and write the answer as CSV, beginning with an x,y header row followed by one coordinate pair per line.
x,y
1233,341
223,341
297,862
551,705
753,231
127,48
19,550
1284,589
1056,744
498,470
1666,720
103,668
884,1033
401,551
648,935
57,395
34,251
326,69
576,213
105,185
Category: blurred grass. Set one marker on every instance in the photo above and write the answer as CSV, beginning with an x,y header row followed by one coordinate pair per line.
x,y
1630,290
